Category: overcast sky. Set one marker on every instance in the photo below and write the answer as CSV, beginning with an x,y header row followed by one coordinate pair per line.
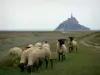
x,y
47,14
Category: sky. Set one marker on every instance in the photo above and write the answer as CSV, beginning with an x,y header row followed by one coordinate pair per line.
x,y
47,14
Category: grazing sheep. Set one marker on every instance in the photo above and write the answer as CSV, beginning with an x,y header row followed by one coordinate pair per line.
x,y
38,55
33,56
24,57
48,55
72,45
15,51
25,54
15,54
61,49
33,61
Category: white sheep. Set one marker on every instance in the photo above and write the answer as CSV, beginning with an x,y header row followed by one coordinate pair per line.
x,y
72,45
61,49
15,51
24,57
32,59
39,54
35,54
25,54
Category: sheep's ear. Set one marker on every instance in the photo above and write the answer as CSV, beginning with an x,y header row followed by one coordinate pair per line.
x,y
46,41
58,39
27,47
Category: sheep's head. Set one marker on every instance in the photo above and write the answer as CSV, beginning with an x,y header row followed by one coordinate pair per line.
x,y
71,38
45,42
61,41
39,44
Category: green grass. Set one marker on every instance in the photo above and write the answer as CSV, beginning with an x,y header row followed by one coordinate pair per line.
x,y
85,62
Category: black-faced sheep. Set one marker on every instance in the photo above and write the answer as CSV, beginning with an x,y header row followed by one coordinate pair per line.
x,y
72,45
61,49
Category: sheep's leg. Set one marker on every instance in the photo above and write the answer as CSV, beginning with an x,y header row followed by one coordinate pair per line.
x,y
69,49
26,62
58,56
21,66
33,68
29,69
40,63
62,56
51,61
46,61
37,66
76,49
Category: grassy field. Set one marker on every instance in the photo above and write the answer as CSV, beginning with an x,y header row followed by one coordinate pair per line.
x,y
94,39
85,62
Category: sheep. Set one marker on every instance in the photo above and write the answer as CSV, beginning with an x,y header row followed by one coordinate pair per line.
x,y
32,59
25,54
24,57
38,44
48,54
15,51
61,49
15,54
72,45
45,44
39,54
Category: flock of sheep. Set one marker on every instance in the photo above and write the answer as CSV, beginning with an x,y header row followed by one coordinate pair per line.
x,y
32,57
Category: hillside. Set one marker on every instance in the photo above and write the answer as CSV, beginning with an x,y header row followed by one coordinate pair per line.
x,y
71,24
84,62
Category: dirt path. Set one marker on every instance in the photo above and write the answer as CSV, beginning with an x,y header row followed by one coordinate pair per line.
x,y
86,44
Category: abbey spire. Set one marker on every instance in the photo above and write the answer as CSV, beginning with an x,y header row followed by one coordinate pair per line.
x,y
71,15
